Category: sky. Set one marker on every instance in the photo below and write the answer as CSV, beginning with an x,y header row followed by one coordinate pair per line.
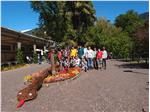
x,y
19,16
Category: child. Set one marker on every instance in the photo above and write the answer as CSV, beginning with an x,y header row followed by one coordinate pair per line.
x,y
77,61
72,62
65,64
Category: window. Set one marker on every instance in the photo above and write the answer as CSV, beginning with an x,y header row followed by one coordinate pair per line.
x,y
31,49
6,47
23,48
14,47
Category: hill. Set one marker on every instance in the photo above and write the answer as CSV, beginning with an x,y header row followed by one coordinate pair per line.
x,y
144,16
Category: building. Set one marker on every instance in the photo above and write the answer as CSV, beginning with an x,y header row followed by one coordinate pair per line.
x,y
11,40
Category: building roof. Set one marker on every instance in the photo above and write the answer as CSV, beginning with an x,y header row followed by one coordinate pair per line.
x,y
3,29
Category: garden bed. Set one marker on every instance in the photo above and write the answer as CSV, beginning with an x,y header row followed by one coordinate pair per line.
x,y
12,67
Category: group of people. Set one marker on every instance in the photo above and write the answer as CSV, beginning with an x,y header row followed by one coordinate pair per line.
x,y
86,58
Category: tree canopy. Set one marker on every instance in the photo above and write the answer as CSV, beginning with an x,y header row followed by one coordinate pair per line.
x,y
106,34
65,20
137,29
128,21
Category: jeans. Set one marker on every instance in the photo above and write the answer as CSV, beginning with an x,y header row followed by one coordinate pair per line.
x,y
95,63
90,63
99,62
104,63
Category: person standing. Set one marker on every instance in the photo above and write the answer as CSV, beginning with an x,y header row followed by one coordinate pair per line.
x,y
104,57
89,56
49,56
39,59
73,52
80,52
99,58
85,50
94,58
59,57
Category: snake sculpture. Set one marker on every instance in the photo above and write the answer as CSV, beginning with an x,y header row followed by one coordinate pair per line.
x,y
30,92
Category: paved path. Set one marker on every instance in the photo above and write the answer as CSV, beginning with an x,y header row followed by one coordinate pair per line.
x,y
110,90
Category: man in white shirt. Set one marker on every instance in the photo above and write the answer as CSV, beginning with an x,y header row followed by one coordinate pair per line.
x,y
89,56
104,57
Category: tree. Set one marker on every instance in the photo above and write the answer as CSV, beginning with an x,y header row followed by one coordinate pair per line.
x,y
39,32
66,19
35,57
141,38
128,21
106,34
51,18
83,14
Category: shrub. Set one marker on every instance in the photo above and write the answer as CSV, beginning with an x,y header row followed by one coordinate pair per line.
x,y
35,57
20,56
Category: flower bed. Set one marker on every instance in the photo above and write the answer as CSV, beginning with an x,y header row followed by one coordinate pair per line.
x,y
60,76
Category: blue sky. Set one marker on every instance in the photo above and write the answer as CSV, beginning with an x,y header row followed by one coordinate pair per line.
x,y
18,15
111,9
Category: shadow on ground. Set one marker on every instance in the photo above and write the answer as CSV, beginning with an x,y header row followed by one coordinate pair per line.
x,y
134,65
135,72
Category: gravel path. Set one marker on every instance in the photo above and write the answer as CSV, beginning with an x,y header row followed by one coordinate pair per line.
x,y
111,90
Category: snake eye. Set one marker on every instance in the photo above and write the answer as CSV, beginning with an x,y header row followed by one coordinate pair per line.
x,y
30,94
20,93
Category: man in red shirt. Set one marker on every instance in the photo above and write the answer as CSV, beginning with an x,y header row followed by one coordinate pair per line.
x,y
99,58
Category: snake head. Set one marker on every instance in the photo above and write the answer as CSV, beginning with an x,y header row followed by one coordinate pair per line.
x,y
27,93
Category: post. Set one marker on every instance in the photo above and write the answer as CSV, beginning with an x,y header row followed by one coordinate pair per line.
x,y
44,48
19,45
34,48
